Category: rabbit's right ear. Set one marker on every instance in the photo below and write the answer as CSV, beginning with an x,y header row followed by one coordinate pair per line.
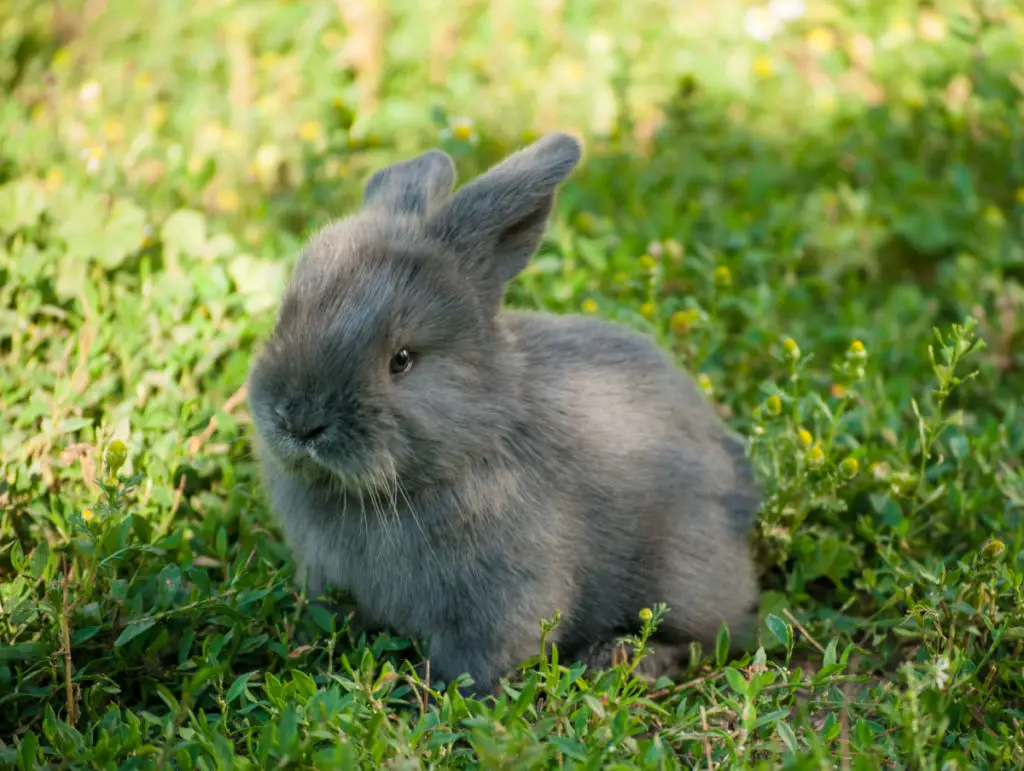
x,y
495,223
415,186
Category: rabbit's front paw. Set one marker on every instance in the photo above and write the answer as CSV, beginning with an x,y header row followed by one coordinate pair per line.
x,y
452,656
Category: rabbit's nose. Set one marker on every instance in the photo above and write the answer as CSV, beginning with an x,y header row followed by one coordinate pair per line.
x,y
302,428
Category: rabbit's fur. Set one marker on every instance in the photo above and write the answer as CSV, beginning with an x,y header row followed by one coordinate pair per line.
x,y
525,463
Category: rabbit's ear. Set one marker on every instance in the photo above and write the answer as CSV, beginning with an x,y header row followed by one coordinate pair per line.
x,y
496,221
415,186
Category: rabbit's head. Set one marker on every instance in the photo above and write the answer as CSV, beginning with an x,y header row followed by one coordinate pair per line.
x,y
388,362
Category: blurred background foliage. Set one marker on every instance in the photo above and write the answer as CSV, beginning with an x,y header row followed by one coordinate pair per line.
x,y
790,195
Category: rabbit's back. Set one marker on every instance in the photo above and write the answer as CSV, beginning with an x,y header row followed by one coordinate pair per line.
x,y
657,490
622,405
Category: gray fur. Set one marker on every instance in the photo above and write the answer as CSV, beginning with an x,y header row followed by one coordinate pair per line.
x,y
527,463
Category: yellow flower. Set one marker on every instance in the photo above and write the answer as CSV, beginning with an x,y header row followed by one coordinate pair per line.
x,y
899,32
648,310
88,514
54,179
157,116
849,467
993,548
816,455
857,350
309,130
682,322
113,129
705,384
647,263
805,437
143,81
723,277
790,349
838,390
763,67
331,39
993,216
227,200
589,306
93,155
674,249
821,40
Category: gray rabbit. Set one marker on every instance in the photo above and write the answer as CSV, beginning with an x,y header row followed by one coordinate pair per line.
x,y
464,471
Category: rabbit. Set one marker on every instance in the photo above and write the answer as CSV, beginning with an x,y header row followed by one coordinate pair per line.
x,y
464,471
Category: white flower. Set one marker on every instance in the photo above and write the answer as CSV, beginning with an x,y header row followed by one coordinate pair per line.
x,y
90,91
941,672
761,24
786,10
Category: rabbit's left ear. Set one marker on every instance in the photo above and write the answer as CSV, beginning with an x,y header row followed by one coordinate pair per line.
x,y
415,186
495,223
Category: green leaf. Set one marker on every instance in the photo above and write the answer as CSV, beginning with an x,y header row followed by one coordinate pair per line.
x,y
28,751
133,630
788,737
722,646
184,232
782,631
830,652
736,681
85,633
123,233
323,617
258,281
22,203
238,686
569,748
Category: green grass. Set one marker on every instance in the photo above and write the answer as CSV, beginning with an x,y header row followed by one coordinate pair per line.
x,y
859,177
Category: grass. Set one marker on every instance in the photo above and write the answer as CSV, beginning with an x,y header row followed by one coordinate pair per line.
x,y
826,227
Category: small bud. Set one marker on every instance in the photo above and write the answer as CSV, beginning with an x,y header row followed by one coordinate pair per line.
x,y
705,384
723,277
589,306
773,405
309,130
115,456
648,263
646,615
849,467
993,548
805,437
857,351
648,310
674,249
816,455
880,471
790,349
587,223
681,322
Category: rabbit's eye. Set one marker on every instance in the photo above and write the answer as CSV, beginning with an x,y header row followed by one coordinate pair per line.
x,y
401,362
